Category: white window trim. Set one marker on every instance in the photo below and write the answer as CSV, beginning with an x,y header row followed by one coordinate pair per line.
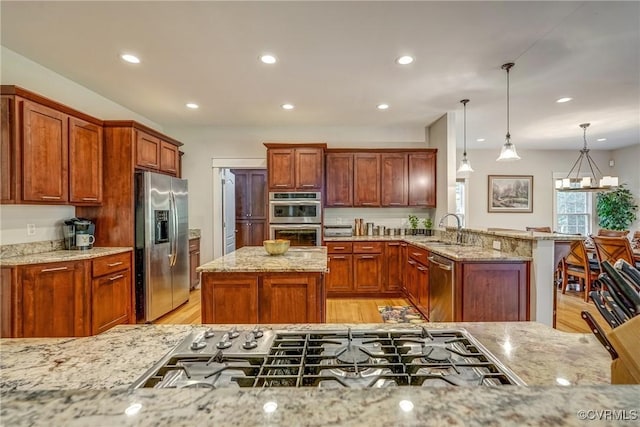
x,y
554,207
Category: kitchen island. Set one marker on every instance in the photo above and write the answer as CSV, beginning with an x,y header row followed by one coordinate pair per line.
x,y
251,286
85,381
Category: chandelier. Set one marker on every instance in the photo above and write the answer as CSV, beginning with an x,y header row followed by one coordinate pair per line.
x,y
596,181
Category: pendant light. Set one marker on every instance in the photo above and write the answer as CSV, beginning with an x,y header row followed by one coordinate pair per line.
x,y
594,182
508,152
465,166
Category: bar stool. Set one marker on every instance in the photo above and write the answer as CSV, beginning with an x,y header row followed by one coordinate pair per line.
x,y
577,264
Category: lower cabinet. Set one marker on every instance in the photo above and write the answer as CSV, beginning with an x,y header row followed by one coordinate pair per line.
x,y
263,298
250,233
394,266
194,262
66,299
417,278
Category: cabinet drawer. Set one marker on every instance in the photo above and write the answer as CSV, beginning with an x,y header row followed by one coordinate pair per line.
x,y
339,247
194,244
368,247
418,254
109,264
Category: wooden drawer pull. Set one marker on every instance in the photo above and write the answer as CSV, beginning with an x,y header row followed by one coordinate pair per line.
x,y
113,264
119,276
51,197
90,199
367,247
54,269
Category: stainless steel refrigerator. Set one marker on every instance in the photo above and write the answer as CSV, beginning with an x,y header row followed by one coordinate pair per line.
x,y
162,244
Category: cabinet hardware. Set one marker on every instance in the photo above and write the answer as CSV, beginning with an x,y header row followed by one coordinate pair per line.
x,y
51,197
337,257
281,185
367,247
54,269
368,204
90,199
422,268
338,204
366,257
411,262
307,185
119,276
416,254
393,244
338,248
113,264
442,266
152,164
395,204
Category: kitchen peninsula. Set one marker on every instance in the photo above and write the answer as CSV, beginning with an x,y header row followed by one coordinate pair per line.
x,y
86,381
251,286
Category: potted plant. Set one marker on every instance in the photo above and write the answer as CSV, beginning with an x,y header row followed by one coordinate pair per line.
x,y
413,223
616,209
428,224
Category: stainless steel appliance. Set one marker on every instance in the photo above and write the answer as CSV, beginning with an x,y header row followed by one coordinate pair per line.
x,y
297,234
327,359
296,217
440,289
162,244
338,230
78,233
295,208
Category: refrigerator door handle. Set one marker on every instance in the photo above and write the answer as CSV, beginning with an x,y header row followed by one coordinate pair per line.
x,y
174,229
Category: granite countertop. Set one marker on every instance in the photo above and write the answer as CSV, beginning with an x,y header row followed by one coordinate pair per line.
x,y
434,244
60,256
84,381
525,235
256,259
194,233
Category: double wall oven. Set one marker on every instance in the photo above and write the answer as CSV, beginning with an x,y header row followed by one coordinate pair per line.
x,y
296,216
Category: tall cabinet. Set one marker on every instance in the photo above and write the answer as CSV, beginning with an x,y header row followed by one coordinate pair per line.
x,y
251,206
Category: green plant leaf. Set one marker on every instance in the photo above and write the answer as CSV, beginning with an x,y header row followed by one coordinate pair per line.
x,y
616,209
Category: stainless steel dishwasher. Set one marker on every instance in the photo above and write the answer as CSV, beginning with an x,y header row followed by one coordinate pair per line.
x,y
440,289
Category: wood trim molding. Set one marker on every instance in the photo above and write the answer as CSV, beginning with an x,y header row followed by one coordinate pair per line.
x,y
140,126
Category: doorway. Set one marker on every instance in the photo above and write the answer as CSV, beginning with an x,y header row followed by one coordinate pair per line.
x,y
251,198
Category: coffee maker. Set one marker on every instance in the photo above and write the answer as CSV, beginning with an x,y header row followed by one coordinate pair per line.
x,y
78,234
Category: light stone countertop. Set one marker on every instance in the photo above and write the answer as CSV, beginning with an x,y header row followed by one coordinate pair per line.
x,y
524,235
61,256
84,381
312,259
194,233
453,251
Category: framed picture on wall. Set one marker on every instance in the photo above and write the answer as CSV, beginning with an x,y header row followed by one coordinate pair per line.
x,y
510,193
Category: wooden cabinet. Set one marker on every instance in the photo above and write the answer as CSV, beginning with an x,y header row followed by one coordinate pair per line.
x,y
383,177
250,233
169,158
50,153
85,162
340,261
339,182
111,292
394,267
155,154
295,167
67,299
262,298
194,262
54,300
394,179
366,178
422,179
417,278
491,292
367,266
45,151
251,206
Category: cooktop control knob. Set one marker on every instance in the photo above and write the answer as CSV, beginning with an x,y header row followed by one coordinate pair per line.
x,y
233,333
257,332
250,342
198,345
224,342
209,333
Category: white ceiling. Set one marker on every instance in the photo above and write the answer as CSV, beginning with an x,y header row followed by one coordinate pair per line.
x,y
336,63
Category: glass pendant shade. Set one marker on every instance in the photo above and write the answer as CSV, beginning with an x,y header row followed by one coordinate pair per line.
x,y
465,166
508,153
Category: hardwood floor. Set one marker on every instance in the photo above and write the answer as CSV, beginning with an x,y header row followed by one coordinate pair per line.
x,y
352,310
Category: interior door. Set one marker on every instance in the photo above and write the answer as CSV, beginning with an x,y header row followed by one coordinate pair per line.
x,y
229,211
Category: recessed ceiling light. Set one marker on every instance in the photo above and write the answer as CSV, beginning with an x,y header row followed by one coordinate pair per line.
x,y
405,60
382,106
563,100
268,59
130,58
480,139
287,106
193,105
601,139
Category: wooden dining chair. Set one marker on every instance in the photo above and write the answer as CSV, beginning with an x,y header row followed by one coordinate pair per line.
x,y
577,264
612,233
612,249
540,229
635,242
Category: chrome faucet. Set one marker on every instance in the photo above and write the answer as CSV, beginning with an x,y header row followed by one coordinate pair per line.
x,y
459,227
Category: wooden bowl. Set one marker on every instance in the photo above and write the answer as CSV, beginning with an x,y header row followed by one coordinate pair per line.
x,y
276,247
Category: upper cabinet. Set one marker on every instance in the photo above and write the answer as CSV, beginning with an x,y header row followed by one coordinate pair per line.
x,y
50,153
156,154
381,178
293,167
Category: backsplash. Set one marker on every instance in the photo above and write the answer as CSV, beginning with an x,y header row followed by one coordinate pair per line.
x,y
19,249
510,245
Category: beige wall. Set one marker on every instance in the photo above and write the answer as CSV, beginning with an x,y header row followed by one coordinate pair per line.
x,y
627,167
442,136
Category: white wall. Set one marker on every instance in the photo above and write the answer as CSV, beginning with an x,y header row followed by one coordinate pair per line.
x,y
539,163
442,135
20,71
627,167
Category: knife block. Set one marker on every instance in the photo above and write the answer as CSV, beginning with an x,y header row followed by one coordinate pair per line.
x,y
625,339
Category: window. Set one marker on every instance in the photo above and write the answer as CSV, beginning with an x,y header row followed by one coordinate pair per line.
x,y
461,194
573,212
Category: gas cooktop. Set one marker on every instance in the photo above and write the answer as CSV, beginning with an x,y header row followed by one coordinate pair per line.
x,y
349,358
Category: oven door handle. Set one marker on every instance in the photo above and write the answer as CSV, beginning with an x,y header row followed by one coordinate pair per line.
x,y
295,226
294,202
